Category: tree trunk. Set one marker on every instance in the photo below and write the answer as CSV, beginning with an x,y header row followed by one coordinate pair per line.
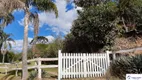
x,y
34,44
25,46
126,28
3,58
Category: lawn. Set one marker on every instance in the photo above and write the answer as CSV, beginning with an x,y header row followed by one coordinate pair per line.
x,y
51,73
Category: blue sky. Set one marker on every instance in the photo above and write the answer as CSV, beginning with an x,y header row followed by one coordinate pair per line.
x,y
49,24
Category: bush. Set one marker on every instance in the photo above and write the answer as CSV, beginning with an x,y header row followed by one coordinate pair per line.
x,y
126,65
33,74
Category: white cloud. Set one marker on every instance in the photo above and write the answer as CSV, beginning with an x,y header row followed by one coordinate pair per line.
x,y
17,10
64,21
50,38
21,22
62,24
18,45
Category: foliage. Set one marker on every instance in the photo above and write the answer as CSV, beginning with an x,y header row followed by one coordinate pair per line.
x,y
96,26
5,40
39,51
46,50
88,3
100,22
126,65
39,40
128,12
5,43
33,74
5,20
10,57
72,44
52,49
42,6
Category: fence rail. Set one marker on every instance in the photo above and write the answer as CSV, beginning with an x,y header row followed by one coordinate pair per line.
x,y
37,65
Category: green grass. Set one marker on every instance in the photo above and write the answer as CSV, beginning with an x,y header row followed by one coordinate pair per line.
x,y
2,70
51,70
51,74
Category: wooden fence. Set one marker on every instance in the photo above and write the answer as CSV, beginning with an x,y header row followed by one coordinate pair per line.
x,y
80,65
37,65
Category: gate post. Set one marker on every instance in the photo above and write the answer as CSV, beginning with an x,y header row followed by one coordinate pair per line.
x,y
108,57
6,69
39,69
59,65
114,56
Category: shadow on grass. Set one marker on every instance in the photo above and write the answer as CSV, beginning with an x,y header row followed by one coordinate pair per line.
x,y
11,76
8,77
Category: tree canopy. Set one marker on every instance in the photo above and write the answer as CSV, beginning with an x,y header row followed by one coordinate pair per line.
x,y
101,21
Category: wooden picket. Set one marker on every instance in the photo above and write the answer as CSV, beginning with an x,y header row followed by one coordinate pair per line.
x,y
81,65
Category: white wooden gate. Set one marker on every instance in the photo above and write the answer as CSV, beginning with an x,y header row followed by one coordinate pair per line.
x,y
80,65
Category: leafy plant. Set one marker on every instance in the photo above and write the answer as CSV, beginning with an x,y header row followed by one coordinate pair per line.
x,y
126,65
33,74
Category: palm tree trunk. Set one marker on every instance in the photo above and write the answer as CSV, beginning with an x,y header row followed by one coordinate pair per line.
x,y
25,46
3,58
34,44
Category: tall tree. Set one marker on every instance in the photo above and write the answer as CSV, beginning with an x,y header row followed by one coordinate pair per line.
x,y
96,26
128,13
38,40
7,6
89,3
100,21
5,43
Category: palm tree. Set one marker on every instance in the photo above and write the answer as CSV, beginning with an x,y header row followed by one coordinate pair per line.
x,y
43,5
7,6
5,43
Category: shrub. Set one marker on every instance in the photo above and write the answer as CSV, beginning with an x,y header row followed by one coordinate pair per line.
x,y
126,65
33,74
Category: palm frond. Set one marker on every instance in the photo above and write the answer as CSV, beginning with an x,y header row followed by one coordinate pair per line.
x,y
39,40
5,20
6,9
10,45
5,40
35,20
10,5
10,39
45,5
